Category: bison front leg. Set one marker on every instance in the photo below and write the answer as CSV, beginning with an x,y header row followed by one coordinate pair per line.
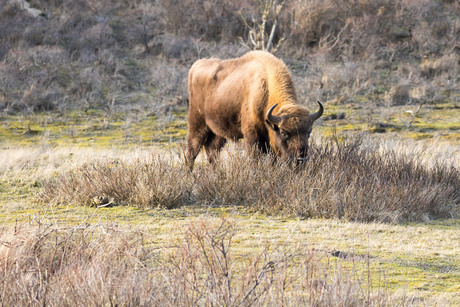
x,y
255,144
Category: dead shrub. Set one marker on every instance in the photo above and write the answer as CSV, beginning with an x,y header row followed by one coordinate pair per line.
x,y
169,79
355,31
346,180
208,20
34,78
356,182
239,181
316,22
447,64
399,95
81,266
97,37
102,265
153,182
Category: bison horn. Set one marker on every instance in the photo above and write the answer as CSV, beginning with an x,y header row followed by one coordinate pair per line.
x,y
318,114
272,118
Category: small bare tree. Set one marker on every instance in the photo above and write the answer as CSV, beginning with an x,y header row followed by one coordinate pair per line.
x,y
257,38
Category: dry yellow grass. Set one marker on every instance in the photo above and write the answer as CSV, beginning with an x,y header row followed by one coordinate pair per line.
x,y
353,179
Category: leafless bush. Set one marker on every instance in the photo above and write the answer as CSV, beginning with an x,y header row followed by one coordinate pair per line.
x,y
74,266
262,29
35,78
101,265
448,65
356,182
343,180
12,26
399,94
209,20
152,183
145,30
339,82
169,79
433,32
97,37
224,185
350,31
315,23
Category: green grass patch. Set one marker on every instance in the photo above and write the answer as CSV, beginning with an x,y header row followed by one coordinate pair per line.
x,y
98,128
411,121
94,128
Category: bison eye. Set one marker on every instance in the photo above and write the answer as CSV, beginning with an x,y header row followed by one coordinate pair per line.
x,y
284,135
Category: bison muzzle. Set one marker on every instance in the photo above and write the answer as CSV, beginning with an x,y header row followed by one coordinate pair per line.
x,y
251,97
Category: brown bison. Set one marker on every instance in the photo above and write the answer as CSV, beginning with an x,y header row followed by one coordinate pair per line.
x,y
250,97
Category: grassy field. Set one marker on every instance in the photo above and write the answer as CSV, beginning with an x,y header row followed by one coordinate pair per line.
x,y
99,128
408,263
96,207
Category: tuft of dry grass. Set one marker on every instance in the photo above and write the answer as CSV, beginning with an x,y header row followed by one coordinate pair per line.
x,y
348,179
44,264
152,181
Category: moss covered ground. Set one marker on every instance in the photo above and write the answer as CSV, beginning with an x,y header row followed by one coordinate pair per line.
x,y
98,128
95,128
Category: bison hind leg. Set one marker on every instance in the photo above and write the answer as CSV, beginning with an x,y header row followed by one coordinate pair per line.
x,y
213,145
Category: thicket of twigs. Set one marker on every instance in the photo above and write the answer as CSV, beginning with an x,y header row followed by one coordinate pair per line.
x,y
99,265
56,55
349,180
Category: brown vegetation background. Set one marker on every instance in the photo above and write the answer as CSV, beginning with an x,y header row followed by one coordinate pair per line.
x,y
62,54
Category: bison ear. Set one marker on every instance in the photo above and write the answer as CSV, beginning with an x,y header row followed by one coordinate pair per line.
x,y
272,126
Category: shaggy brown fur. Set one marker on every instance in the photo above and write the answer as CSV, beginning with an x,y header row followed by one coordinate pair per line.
x,y
229,100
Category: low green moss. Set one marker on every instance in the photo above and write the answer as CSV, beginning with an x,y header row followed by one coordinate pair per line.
x,y
97,128
91,128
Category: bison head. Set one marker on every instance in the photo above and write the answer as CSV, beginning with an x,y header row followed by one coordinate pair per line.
x,y
291,129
